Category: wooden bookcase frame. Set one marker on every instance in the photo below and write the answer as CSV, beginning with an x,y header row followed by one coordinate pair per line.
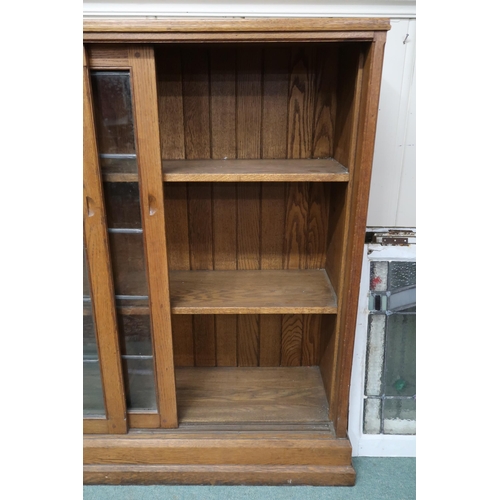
x,y
119,449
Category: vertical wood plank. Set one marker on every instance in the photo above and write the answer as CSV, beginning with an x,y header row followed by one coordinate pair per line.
x,y
311,340
226,337
144,97
358,207
249,102
182,333
248,340
352,62
270,340
273,225
170,102
176,223
225,244
337,231
195,87
301,103
317,224
204,339
291,340
275,102
294,256
99,269
223,102
347,109
325,102
224,225
248,258
200,225
248,225
327,331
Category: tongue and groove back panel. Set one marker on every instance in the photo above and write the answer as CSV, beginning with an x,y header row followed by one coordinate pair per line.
x,y
250,102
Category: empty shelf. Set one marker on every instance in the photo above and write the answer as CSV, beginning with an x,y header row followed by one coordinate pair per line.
x,y
251,395
325,170
252,292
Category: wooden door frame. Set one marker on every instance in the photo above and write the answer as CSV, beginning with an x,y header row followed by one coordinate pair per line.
x,y
139,61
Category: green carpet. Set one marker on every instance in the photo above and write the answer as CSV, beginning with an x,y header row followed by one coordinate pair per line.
x,y
377,479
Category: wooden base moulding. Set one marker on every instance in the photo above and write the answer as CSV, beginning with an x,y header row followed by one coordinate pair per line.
x,y
218,457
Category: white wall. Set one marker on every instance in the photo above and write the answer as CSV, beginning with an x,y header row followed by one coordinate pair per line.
x,y
285,8
393,198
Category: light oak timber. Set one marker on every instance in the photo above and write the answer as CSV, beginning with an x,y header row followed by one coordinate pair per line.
x,y
229,37
205,25
95,426
144,98
258,395
242,430
143,420
223,450
357,227
319,475
107,57
349,101
261,170
252,292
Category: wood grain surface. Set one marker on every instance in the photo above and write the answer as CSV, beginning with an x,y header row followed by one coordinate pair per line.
x,y
144,94
236,24
269,170
233,292
232,395
339,475
360,186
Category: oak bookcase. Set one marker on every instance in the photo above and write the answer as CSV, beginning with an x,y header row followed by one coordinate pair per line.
x,y
227,167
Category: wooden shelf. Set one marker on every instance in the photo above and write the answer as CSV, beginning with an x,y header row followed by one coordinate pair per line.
x,y
311,170
315,170
252,292
281,395
122,170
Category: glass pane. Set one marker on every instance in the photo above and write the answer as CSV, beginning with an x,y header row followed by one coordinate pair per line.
x,y
402,274
135,334
122,205
400,416
402,299
375,355
86,286
113,112
371,423
89,340
408,309
400,371
127,259
140,383
378,276
126,168
93,401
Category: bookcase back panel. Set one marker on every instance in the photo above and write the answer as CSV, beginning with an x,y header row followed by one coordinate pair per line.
x,y
249,340
228,226
250,101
